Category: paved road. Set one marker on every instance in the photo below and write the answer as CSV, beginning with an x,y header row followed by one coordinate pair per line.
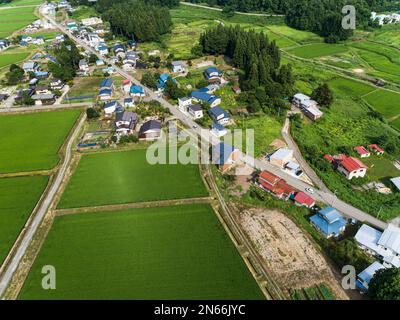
x,y
205,134
40,213
237,12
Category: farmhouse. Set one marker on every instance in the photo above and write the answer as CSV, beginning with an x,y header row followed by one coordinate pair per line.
x,y
365,277
224,156
385,246
308,106
30,66
363,153
329,222
125,122
56,84
218,129
150,130
195,111
83,65
178,67
212,74
348,166
110,107
44,99
204,97
219,115
281,157
302,199
375,148
184,103
275,185
137,91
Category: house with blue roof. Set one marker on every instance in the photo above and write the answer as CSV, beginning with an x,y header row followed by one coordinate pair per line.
x,y
132,44
204,97
365,277
212,74
137,91
105,94
224,156
41,74
103,50
106,83
219,115
329,222
110,107
162,80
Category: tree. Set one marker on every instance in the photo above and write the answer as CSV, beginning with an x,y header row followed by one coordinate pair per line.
x,y
92,113
172,89
323,95
92,58
385,285
15,75
149,80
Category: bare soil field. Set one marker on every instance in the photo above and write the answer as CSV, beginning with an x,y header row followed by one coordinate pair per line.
x,y
287,251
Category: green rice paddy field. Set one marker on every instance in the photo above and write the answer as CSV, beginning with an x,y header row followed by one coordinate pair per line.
x,y
31,141
318,50
14,19
18,197
123,177
15,3
8,57
177,252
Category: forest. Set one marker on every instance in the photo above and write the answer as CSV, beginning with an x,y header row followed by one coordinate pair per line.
x,y
136,19
264,81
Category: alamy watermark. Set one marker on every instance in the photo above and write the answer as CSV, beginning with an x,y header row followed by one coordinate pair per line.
x,y
349,18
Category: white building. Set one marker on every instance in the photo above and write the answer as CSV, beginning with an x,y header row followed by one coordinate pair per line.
x,y
281,157
178,67
365,277
384,245
195,111
184,103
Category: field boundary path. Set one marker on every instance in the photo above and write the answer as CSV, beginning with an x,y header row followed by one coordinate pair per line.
x,y
237,12
31,229
44,108
132,205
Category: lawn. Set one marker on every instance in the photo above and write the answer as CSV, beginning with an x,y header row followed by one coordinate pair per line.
x,y
124,177
14,19
86,87
318,50
295,35
83,12
31,141
178,252
380,168
18,197
385,102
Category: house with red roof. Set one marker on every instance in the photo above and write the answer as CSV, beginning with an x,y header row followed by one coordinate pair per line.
x,y
275,185
375,148
302,199
352,168
364,153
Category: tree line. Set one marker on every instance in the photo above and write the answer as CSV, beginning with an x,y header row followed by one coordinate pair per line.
x,y
264,80
136,19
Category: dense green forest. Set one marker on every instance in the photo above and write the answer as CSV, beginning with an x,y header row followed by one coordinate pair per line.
x,y
264,81
5,1
136,19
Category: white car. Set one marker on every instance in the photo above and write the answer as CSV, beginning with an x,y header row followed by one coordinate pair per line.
x,y
310,190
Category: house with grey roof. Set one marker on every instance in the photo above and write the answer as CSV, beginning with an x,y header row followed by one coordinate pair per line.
x,y
125,122
150,130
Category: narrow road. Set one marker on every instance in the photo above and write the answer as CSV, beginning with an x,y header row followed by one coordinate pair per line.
x,y
237,12
299,157
16,7
39,214
38,108
205,135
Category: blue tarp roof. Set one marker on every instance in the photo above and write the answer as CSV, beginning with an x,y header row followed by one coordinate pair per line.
x,y
136,89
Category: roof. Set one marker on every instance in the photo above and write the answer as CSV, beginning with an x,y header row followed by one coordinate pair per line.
x,y
396,182
269,177
136,89
328,157
210,71
351,164
292,165
43,96
376,147
369,272
127,116
195,107
164,77
368,237
217,126
82,62
303,198
217,111
150,125
105,91
361,150
275,184
326,227
281,154
301,97
177,63
111,104
221,153
330,214
106,83
310,105
29,65
391,238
